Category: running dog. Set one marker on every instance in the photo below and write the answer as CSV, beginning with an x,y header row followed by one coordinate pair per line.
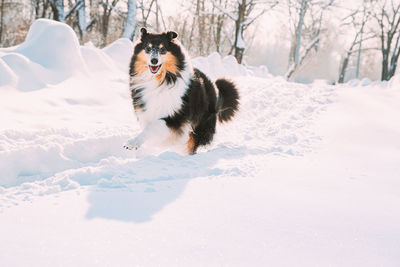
x,y
177,106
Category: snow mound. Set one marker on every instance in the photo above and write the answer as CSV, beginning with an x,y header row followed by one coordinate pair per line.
x,y
51,54
215,67
96,60
53,45
31,76
120,51
7,76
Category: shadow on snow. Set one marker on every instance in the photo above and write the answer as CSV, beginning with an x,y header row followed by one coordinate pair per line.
x,y
140,191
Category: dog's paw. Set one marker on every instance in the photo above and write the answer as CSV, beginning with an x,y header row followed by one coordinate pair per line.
x,y
130,147
132,144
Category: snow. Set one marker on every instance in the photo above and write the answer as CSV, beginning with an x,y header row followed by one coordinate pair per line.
x,y
310,171
216,67
395,82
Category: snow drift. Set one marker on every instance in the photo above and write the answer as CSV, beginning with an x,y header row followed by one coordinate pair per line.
x,y
90,82
51,54
82,124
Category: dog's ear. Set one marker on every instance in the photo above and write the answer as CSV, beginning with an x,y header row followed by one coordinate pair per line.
x,y
144,32
171,35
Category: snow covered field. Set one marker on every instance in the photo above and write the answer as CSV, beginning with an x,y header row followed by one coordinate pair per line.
x,y
307,175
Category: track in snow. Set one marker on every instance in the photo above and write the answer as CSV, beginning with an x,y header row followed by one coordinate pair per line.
x,y
274,120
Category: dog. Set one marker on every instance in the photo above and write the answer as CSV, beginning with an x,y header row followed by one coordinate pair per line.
x,y
177,106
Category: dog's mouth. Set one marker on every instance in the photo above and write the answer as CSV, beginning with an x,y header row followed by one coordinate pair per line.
x,y
154,69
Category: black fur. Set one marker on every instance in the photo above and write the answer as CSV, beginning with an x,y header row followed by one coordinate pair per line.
x,y
228,102
170,78
201,108
137,100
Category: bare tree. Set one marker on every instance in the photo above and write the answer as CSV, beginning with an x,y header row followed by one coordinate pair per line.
x,y
58,9
217,24
183,24
151,15
42,8
108,7
83,22
159,17
198,24
145,7
193,27
357,20
388,18
243,16
303,11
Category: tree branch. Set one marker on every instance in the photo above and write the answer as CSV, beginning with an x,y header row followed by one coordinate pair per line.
x,y
224,11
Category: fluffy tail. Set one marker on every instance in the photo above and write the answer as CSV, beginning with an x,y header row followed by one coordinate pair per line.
x,y
228,100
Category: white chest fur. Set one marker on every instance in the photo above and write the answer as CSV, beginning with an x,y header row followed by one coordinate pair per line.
x,y
160,101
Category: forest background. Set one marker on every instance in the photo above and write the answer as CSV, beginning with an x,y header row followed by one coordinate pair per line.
x,y
302,40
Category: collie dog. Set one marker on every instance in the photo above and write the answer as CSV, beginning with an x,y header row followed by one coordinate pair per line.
x,y
177,106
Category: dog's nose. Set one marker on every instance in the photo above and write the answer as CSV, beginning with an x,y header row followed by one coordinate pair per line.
x,y
154,61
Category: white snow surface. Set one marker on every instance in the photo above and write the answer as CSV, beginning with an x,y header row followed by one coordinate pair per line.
x,y
305,175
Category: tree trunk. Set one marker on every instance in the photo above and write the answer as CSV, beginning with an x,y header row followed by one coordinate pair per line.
x,y
130,25
346,60
1,20
239,45
104,23
359,59
81,14
299,31
387,33
220,24
192,30
395,57
343,68
157,20
95,30
360,45
200,27
294,67
57,7
162,17
385,62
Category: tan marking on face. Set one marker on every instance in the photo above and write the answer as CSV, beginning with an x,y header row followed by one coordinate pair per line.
x,y
141,63
169,63
190,144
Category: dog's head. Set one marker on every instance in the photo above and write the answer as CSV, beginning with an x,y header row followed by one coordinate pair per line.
x,y
157,54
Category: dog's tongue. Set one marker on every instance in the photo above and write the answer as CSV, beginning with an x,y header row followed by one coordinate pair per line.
x,y
154,68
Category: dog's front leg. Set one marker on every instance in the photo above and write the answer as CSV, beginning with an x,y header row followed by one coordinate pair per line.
x,y
154,133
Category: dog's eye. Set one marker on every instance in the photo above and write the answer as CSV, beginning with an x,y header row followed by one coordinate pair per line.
x,y
147,49
163,50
